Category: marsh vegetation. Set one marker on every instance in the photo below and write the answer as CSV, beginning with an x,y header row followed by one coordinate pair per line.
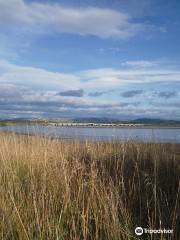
x,y
72,190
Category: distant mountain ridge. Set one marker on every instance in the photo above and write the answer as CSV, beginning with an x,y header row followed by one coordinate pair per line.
x,y
135,121
155,121
146,121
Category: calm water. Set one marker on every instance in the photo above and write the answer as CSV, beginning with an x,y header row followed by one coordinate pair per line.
x,y
102,134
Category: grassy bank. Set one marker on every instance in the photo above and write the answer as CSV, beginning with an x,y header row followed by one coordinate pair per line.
x,y
52,189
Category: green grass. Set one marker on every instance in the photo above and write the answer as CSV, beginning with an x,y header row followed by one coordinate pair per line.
x,y
54,189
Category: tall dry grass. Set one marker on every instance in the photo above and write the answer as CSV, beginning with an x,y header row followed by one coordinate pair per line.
x,y
68,190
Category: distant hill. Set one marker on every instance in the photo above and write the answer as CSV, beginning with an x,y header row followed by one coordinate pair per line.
x,y
155,121
148,121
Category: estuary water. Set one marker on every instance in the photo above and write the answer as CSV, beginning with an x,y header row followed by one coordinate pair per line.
x,y
160,135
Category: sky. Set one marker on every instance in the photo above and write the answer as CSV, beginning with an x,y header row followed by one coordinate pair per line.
x,y
88,58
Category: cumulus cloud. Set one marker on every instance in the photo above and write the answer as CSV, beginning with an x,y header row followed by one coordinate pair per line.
x,y
20,101
72,93
21,95
150,94
8,91
167,94
47,103
33,103
100,93
131,93
96,94
101,22
39,91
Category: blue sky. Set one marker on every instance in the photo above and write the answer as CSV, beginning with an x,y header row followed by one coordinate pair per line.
x,y
85,58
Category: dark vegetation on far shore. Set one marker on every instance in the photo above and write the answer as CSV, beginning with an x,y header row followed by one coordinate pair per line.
x,y
144,121
69,190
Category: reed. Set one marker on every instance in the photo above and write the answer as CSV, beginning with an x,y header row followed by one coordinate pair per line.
x,y
69,190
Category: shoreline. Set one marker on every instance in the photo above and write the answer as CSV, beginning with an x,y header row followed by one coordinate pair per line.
x,y
94,126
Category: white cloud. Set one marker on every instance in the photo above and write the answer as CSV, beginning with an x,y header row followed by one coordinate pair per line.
x,y
152,65
94,79
140,64
101,22
112,78
37,77
22,101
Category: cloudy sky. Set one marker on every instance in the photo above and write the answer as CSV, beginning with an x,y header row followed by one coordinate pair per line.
x,y
90,58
